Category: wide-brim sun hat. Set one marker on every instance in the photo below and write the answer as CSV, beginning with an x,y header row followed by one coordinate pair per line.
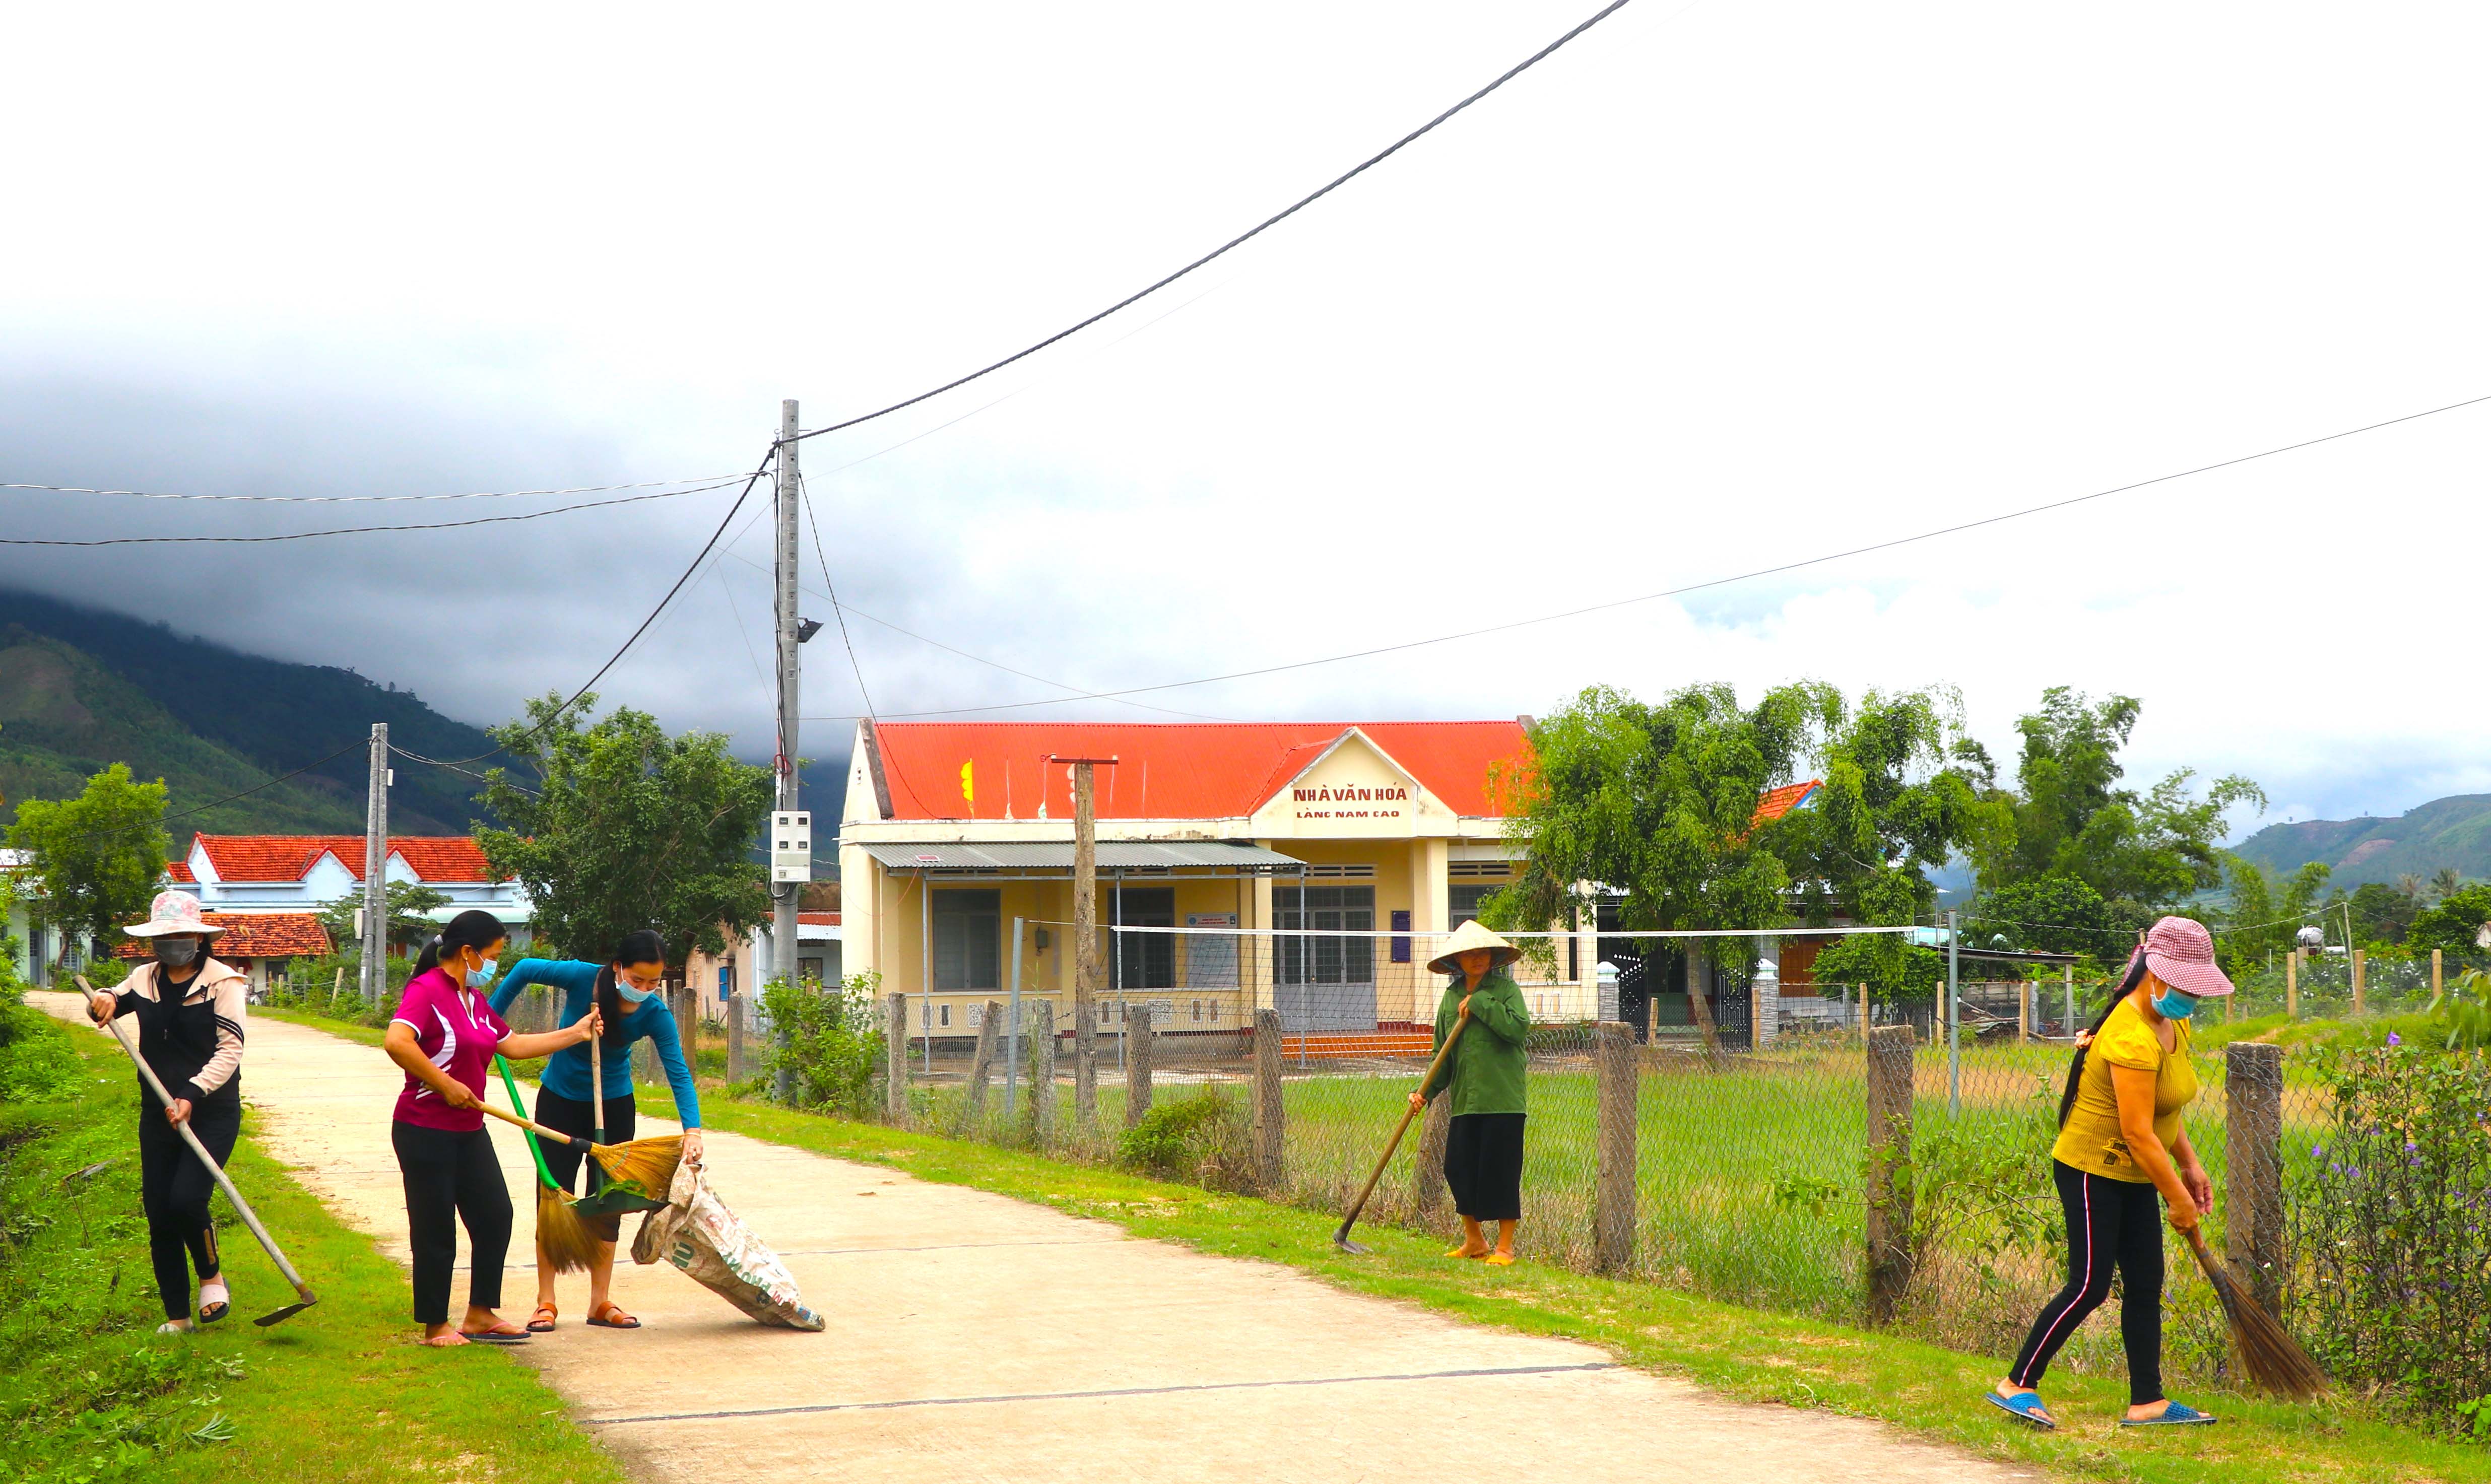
x,y
2180,953
173,912
1469,935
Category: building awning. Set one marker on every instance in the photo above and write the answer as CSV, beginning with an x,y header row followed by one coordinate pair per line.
x,y
1057,855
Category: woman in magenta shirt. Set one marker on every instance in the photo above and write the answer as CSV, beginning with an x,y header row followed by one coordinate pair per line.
x,y
445,1034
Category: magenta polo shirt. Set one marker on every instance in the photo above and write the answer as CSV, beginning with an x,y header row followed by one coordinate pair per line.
x,y
458,1031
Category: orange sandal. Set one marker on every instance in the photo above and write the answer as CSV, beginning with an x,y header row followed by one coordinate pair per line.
x,y
541,1321
612,1316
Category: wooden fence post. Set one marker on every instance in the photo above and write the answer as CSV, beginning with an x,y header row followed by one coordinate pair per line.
x,y
894,1057
1042,1072
1863,1012
2433,978
1613,1188
2253,1151
2023,1011
1268,1113
2361,962
972,1108
1141,1039
2292,985
1889,1177
733,1008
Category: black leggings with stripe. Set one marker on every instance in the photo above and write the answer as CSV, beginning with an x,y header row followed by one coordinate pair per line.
x,y
2111,1224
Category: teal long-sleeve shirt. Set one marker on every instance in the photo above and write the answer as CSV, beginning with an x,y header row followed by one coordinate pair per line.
x,y
566,1071
1487,1069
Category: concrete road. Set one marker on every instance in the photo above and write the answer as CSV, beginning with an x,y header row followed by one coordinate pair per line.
x,y
976,1337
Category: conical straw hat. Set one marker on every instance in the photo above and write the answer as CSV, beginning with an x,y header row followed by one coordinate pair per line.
x,y
1469,935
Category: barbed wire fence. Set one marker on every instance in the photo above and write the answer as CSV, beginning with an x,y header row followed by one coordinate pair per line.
x,y
1780,1143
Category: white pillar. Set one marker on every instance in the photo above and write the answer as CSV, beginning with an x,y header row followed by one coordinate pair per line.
x,y
1768,996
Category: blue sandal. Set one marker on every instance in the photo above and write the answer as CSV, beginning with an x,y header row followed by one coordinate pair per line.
x,y
2174,1414
2025,1407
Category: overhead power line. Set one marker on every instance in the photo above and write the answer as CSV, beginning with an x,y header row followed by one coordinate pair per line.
x,y
1245,237
1718,582
304,536
481,494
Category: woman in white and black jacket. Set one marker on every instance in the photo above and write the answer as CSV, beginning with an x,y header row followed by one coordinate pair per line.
x,y
190,1010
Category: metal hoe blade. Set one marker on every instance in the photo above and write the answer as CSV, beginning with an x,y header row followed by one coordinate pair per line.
x,y
1341,1240
286,1313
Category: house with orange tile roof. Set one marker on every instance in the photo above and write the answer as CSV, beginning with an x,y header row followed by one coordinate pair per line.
x,y
1246,860
262,945
300,873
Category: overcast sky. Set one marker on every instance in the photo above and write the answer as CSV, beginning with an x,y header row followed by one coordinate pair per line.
x,y
1717,286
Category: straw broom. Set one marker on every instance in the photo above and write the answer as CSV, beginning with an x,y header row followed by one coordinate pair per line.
x,y
647,1165
561,1235
2269,1355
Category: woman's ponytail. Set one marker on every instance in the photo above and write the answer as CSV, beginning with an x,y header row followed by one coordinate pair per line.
x,y
2127,983
430,958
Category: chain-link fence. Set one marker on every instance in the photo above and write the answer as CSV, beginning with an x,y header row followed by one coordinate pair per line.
x,y
1282,1067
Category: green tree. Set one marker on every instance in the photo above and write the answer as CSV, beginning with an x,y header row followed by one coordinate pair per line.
x,y
407,903
2068,816
632,829
2451,924
2381,914
97,858
2053,914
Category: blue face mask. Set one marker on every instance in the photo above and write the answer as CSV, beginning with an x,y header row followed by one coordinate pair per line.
x,y
631,995
2171,1004
482,978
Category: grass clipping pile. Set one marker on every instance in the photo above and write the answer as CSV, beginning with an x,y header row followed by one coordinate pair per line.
x,y
696,1232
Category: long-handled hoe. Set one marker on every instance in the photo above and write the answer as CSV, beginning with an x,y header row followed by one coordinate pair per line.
x,y
1340,1237
242,1208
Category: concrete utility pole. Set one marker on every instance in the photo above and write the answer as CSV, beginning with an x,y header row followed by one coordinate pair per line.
x,y
787,894
375,966
1086,975
1955,1024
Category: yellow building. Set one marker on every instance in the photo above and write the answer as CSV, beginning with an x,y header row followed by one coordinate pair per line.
x,y
1247,859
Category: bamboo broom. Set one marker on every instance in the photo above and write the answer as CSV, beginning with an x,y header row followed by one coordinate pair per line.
x,y
2270,1354
561,1236
648,1165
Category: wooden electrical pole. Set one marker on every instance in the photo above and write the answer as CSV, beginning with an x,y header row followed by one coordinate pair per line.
x,y
1087,977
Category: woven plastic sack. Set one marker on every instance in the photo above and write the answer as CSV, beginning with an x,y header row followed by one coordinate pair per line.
x,y
696,1232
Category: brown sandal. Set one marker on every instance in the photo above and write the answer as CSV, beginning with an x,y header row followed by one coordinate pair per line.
x,y
541,1321
612,1316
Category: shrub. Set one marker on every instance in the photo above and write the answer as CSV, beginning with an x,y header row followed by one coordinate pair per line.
x,y
35,1059
1202,1139
2396,1225
833,1046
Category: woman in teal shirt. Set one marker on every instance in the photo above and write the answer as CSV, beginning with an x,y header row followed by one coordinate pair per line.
x,y
625,989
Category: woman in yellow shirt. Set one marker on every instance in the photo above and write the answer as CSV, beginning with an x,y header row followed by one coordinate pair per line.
x,y
2120,1156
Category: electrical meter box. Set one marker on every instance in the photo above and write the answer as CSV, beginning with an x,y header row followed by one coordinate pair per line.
x,y
791,847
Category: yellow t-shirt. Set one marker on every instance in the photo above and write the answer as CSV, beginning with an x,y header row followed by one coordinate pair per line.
x,y
2091,1139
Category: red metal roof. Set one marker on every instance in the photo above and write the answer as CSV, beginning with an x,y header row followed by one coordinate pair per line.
x,y
817,919
1183,771
291,857
254,935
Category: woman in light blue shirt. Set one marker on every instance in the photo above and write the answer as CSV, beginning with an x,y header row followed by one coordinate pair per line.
x,y
625,989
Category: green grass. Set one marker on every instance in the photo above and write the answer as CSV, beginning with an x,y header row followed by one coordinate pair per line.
x,y
1924,1389
339,1392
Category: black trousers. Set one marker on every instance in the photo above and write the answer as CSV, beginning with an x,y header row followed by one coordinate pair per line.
x,y
2111,1224
573,1115
1484,1165
453,1177
173,1190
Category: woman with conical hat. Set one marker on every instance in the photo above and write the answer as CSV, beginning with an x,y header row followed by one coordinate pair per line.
x,y
1485,1076
190,1010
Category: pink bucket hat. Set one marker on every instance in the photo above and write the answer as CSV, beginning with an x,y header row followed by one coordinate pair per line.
x,y
173,912
2180,953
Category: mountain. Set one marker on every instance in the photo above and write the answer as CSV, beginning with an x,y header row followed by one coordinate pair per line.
x,y
2452,831
80,688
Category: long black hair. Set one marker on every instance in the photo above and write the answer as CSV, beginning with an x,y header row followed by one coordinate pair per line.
x,y
2134,976
644,946
474,928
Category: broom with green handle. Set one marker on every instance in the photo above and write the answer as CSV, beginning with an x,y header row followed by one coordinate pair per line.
x,y
561,1235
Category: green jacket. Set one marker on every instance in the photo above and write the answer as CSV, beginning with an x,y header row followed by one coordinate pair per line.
x,y
1485,1071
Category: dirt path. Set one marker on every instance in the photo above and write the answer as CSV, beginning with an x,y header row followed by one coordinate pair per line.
x,y
976,1337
